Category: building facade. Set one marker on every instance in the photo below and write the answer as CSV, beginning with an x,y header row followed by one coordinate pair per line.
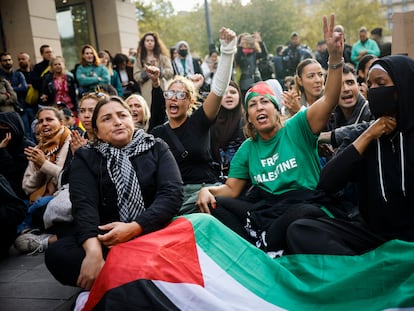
x,y
66,25
396,6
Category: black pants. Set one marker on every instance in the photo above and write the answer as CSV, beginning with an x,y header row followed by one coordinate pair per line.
x,y
233,213
8,235
64,259
330,236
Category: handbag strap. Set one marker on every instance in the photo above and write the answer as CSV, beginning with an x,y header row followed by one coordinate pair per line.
x,y
177,143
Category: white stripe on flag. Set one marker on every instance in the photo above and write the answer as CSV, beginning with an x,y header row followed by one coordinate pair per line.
x,y
221,292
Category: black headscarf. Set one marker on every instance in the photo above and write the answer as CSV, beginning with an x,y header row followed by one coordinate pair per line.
x,y
401,70
13,161
226,124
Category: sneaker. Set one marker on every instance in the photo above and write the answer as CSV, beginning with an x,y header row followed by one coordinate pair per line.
x,y
31,243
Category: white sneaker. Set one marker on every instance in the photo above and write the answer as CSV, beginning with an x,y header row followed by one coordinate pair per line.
x,y
31,243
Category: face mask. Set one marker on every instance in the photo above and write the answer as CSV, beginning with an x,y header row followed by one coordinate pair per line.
x,y
383,101
3,133
183,53
247,50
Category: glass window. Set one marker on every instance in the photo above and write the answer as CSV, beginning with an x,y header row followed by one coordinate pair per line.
x,y
73,31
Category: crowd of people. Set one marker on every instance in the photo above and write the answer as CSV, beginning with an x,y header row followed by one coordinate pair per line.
x,y
119,146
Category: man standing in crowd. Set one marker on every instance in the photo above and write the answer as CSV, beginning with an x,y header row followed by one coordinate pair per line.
x,y
40,69
25,65
294,54
364,46
16,79
19,85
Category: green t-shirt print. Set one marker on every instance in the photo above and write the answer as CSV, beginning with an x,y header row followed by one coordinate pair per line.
x,y
288,161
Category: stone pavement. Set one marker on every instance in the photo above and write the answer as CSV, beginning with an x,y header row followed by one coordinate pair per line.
x,y
26,284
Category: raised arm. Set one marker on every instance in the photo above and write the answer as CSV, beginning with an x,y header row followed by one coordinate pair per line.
x,y
319,113
221,80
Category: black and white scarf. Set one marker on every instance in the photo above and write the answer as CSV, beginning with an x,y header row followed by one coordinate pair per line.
x,y
123,175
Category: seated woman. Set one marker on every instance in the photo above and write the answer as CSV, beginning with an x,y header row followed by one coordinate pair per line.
x,y
40,180
227,132
125,184
381,162
280,161
140,110
189,135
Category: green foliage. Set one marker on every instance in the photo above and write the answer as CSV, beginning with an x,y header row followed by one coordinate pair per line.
x,y
274,19
353,15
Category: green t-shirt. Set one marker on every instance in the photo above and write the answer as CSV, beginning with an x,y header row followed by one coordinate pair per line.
x,y
288,161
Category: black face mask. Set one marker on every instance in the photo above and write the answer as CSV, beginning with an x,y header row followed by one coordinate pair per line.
x,y
383,101
3,133
183,53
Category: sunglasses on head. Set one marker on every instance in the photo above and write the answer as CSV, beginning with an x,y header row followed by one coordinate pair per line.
x,y
178,94
96,94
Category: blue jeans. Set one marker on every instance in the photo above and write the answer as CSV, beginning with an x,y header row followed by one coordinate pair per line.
x,y
27,222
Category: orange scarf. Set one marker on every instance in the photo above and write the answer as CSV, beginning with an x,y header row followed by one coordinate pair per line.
x,y
50,145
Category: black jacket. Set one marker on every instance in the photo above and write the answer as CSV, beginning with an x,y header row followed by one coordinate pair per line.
x,y
13,161
93,194
384,173
361,113
49,89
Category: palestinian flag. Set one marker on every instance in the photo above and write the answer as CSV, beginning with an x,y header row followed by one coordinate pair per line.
x,y
196,263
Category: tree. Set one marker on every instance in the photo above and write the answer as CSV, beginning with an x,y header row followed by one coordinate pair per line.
x,y
350,14
274,19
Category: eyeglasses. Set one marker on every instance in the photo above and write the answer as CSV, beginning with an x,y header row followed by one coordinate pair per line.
x,y
95,94
178,94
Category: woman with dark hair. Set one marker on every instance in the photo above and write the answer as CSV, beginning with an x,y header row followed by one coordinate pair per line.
x,y
151,52
126,74
90,73
227,132
123,185
381,162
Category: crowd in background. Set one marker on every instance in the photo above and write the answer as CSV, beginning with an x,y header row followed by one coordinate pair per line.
x,y
134,140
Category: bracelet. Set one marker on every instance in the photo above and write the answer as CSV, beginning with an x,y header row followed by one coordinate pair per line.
x,y
336,66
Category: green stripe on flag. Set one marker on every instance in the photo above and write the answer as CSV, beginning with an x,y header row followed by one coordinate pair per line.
x,y
377,280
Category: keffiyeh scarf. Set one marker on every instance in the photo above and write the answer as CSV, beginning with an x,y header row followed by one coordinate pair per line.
x,y
123,175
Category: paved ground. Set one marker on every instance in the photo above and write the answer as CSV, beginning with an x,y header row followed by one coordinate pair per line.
x,y
26,284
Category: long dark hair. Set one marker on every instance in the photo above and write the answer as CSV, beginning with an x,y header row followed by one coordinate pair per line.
x,y
159,47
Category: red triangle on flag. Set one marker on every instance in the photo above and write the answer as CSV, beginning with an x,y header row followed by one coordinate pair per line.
x,y
168,255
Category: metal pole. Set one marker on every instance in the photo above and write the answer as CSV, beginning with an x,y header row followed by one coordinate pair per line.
x,y
208,26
